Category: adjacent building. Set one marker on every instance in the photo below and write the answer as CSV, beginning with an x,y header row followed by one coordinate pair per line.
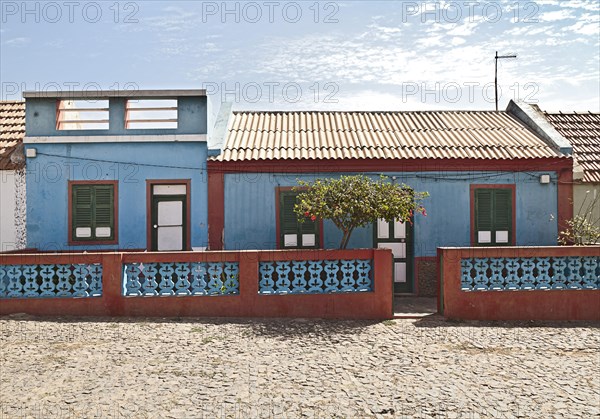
x,y
582,130
12,176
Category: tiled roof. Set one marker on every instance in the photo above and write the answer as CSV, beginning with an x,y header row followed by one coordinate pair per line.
x,y
582,130
12,131
380,135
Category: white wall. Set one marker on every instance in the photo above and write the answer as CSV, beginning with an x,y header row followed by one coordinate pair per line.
x,y
586,199
12,210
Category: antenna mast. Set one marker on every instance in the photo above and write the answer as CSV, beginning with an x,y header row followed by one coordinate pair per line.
x,y
496,58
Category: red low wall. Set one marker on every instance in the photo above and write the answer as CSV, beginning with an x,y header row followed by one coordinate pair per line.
x,y
377,304
513,305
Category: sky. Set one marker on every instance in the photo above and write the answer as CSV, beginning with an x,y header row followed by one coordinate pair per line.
x,y
308,55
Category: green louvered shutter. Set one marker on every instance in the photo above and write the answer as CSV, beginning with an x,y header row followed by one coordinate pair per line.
x,y
502,216
483,216
104,212
82,212
292,233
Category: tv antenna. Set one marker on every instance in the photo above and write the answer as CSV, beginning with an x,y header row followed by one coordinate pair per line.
x,y
496,58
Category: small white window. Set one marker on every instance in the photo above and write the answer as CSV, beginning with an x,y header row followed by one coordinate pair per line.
x,y
169,190
501,236
102,231
308,240
151,114
290,240
83,232
484,237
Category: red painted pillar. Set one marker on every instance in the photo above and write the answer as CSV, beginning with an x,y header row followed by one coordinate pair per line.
x,y
565,197
216,207
112,278
248,283
384,283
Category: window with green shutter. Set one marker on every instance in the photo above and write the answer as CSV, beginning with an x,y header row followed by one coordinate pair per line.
x,y
93,212
293,234
493,217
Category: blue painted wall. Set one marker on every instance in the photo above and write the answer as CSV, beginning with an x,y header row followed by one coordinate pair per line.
x,y
40,118
250,209
48,176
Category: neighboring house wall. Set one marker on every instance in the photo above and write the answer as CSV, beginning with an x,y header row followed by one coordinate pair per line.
x,y
586,201
12,210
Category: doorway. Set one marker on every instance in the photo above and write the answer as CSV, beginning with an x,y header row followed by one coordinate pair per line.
x,y
398,237
169,216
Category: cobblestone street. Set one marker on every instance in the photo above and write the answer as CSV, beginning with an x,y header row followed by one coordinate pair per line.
x,y
189,368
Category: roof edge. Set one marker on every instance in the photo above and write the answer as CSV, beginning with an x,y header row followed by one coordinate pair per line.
x,y
536,121
97,94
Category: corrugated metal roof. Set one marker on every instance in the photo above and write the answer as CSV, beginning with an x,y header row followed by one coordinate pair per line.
x,y
12,131
380,135
582,130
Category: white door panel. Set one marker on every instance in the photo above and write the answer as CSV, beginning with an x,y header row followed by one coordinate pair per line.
x,y
383,229
398,249
170,238
399,272
170,213
399,230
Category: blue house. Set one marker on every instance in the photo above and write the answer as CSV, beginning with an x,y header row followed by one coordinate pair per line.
x,y
492,180
116,169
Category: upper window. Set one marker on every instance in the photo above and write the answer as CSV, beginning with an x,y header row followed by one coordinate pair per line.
x,y
151,114
292,233
493,216
93,212
85,114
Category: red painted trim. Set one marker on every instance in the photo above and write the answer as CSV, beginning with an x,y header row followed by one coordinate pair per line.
x,y
278,191
565,198
248,303
514,305
216,210
71,241
389,165
188,192
510,186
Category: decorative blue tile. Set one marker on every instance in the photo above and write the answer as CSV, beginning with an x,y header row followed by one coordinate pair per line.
x,y
318,277
51,281
181,279
541,273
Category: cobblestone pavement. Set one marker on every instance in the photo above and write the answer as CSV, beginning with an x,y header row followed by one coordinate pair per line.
x,y
213,368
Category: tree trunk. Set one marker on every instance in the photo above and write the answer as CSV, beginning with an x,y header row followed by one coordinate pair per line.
x,y
346,238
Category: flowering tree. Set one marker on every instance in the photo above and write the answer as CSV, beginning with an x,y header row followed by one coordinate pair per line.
x,y
356,201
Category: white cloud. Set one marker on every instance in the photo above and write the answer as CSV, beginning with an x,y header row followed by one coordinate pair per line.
x,y
17,41
556,15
